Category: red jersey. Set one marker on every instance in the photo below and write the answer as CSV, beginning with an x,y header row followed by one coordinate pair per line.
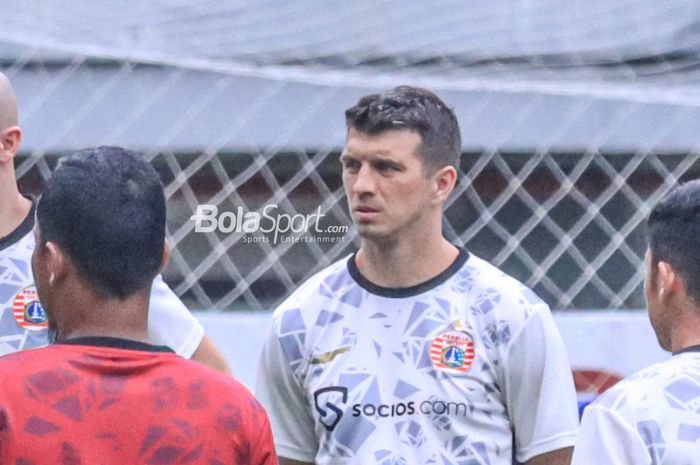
x,y
105,401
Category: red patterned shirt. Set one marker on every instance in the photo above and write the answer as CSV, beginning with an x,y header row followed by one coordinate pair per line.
x,y
105,401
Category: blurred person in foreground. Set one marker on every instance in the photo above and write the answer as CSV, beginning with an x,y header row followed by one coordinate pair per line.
x,y
103,393
413,350
22,317
653,417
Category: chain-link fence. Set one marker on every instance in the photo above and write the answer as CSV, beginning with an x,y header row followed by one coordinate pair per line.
x,y
569,137
571,225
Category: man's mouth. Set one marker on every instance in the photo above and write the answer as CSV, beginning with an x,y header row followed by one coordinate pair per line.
x,y
366,210
364,213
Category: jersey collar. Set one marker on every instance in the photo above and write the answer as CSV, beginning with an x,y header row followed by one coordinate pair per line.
x,y
411,291
116,343
688,349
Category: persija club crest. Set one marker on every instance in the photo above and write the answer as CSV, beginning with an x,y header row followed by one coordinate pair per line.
x,y
28,312
452,351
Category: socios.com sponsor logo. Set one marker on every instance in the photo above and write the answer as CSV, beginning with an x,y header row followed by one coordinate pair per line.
x,y
331,402
426,407
327,401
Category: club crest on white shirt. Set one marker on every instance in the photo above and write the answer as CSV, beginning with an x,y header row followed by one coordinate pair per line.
x,y
28,312
453,351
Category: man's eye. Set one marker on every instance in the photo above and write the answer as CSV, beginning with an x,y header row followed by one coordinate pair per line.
x,y
383,166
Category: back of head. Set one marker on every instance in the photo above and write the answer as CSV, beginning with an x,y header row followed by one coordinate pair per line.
x,y
673,230
8,104
415,109
106,209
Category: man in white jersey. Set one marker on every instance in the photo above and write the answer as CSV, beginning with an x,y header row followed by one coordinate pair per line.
x,y
413,351
23,322
653,417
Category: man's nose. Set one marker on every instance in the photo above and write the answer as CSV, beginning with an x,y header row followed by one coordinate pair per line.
x,y
364,181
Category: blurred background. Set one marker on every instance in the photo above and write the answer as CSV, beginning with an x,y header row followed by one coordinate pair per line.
x,y
576,116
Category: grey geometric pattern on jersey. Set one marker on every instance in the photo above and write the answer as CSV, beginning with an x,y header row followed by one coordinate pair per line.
x,y
684,394
650,432
16,274
679,390
429,314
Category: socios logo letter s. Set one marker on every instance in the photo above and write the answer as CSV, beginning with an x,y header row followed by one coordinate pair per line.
x,y
326,400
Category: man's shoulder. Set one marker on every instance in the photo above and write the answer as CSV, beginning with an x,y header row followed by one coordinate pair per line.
x,y
35,363
49,368
22,357
204,381
486,274
210,376
486,283
663,380
332,282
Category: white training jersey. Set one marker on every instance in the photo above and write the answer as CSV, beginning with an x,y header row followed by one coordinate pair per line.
x,y
652,418
23,323
467,368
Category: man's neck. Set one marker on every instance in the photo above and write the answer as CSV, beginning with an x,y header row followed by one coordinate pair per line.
x,y
404,264
91,316
14,208
101,331
685,332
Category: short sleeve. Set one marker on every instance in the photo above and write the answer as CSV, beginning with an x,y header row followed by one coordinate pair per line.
x,y
264,448
170,323
605,437
539,388
280,393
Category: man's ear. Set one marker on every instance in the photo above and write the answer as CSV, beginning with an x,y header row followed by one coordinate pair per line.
x,y
10,140
668,281
56,262
443,182
166,257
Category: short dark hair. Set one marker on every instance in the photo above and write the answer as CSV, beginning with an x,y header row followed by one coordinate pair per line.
x,y
673,229
415,109
106,209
